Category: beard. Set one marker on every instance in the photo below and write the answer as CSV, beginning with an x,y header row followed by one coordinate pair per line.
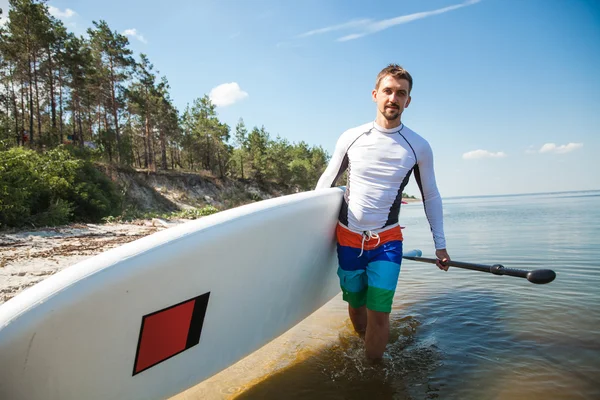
x,y
391,113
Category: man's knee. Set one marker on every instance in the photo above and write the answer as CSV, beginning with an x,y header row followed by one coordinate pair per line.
x,y
378,319
356,311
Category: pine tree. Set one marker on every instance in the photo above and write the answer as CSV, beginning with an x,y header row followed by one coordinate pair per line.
x,y
115,63
241,141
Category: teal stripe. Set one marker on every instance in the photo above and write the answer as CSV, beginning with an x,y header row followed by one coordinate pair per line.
x,y
383,274
352,281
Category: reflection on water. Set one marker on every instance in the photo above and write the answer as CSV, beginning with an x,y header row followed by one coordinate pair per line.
x,y
457,334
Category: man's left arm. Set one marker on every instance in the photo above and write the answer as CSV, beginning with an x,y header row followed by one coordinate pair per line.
x,y
432,202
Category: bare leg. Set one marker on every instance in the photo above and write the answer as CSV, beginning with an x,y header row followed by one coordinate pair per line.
x,y
358,316
378,332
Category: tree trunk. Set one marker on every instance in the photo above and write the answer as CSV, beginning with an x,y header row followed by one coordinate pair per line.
x,y
77,135
8,104
163,148
138,158
15,110
109,143
207,160
98,112
242,163
221,173
60,104
37,95
146,152
52,96
114,109
22,111
90,114
149,140
80,129
30,86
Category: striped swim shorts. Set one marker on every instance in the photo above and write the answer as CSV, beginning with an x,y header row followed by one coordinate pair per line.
x,y
369,266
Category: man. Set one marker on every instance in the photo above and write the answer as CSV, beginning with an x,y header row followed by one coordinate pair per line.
x,y
380,156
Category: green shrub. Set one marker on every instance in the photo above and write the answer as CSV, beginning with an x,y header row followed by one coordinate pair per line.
x,y
53,188
132,213
19,185
196,212
93,195
59,212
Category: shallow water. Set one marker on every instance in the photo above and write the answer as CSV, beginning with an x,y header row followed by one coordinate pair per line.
x,y
458,334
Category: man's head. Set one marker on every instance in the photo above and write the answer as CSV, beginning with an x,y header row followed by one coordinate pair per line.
x,y
397,72
392,93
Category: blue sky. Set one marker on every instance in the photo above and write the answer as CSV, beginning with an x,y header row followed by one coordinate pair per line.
x,y
507,92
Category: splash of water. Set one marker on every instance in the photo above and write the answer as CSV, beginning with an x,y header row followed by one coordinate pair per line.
x,y
403,358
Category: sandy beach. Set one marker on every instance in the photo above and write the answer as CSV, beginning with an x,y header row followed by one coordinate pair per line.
x,y
28,257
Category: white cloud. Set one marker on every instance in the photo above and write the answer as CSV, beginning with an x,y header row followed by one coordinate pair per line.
x,y
477,154
134,33
345,25
58,13
368,27
565,148
227,94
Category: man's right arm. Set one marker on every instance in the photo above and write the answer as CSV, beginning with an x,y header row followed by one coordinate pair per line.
x,y
336,167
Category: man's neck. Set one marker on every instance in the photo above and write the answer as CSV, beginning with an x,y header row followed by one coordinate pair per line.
x,y
387,124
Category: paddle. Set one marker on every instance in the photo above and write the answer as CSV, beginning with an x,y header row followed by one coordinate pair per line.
x,y
539,276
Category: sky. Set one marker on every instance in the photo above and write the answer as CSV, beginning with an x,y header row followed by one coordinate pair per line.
x,y
507,92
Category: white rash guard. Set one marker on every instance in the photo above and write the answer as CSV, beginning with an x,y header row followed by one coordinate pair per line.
x,y
380,162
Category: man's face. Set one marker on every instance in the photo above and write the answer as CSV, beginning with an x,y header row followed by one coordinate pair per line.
x,y
392,97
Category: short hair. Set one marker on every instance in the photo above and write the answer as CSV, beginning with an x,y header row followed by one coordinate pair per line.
x,y
397,72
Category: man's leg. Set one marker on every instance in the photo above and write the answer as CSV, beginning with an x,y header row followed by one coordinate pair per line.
x,y
358,316
354,292
382,273
378,333
353,282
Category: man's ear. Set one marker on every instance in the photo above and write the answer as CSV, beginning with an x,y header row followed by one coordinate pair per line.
x,y
374,95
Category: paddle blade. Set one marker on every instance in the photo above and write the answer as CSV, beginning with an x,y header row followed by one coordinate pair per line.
x,y
541,276
412,253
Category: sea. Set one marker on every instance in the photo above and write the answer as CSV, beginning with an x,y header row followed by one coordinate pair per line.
x,y
459,334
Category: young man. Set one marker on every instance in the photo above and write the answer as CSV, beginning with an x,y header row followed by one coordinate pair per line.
x,y
380,156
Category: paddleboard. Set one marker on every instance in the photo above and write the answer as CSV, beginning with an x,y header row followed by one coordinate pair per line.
x,y
153,317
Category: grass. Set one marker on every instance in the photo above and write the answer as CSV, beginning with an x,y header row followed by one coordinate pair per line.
x,y
132,214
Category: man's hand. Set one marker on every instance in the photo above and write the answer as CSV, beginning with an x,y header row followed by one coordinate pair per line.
x,y
442,258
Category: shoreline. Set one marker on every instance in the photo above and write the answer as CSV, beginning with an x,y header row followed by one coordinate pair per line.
x,y
29,257
409,201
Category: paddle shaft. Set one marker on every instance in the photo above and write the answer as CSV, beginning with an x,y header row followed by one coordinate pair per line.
x,y
536,276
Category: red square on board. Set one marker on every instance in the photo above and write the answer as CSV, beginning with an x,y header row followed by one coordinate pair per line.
x,y
164,334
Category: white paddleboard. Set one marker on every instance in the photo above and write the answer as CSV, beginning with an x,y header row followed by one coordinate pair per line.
x,y
153,317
